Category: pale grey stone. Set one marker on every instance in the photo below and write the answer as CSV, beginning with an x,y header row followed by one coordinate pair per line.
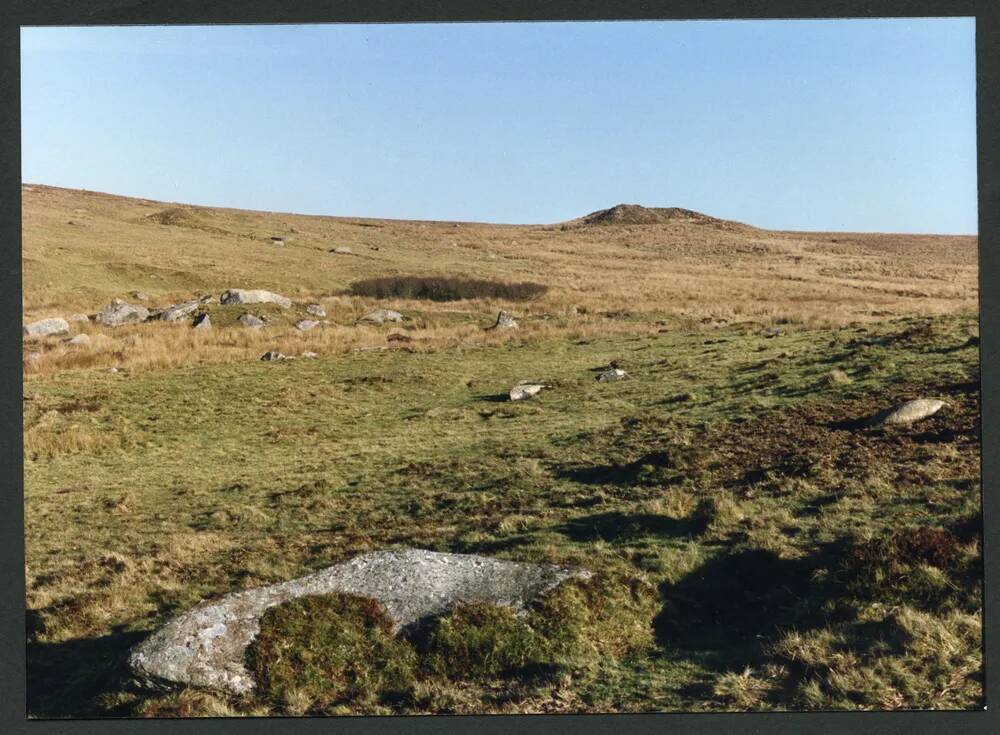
x,y
251,321
306,324
206,646
316,310
255,296
380,316
51,327
612,375
908,412
525,389
118,313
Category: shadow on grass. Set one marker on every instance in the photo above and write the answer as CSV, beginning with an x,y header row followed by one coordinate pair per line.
x,y
661,467
624,526
725,611
65,679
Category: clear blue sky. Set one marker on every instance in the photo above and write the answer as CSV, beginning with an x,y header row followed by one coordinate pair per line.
x,y
816,125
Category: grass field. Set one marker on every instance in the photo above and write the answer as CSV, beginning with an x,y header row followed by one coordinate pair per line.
x,y
767,550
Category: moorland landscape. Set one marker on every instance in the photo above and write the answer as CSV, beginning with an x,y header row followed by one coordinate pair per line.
x,y
694,437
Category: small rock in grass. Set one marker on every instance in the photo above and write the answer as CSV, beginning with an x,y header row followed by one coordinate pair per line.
x,y
251,321
118,313
612,375
908,412
316,310
306,324
79,318
310,355
255,296
837,377
202,321
504,321
52,327
380,316
525,389
398,337
342,251
80,340
272,356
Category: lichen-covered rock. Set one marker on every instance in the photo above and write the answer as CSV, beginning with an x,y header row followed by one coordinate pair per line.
x,y
256,296
380,316
316,310
525,389
202,321
79,318
306,324
908,412
178,311
118,313
52,327
207,645
272,356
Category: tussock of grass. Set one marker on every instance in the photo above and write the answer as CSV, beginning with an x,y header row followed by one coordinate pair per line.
x,y
318,652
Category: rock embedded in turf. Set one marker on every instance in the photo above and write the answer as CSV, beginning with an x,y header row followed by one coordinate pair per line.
x,y
202,321
80,340
178,311
612,375
310,354
908,412
504,321
316,310
207,646
306,324
272,356
342,251
255,296
52,327
79,318
118,313
251,321
380,316
525,389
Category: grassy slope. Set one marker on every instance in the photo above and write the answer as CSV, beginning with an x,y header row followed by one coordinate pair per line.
x,y
148,491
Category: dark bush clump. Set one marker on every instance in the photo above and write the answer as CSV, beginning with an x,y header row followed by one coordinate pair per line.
x,y
444,288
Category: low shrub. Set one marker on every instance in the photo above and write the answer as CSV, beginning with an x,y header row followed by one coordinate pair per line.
x,y
444,288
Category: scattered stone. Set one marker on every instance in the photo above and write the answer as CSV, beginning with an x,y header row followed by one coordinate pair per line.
x,y
207,645
373,247
207,299
251,321
306,324
380,316
178,311
504,321
316,310
202,321
272,356
258,296
908,412
525,389
52,327
112,370
139,296
280,241
838,377
79,318
80,340
612,375
342,251
118,313
310,355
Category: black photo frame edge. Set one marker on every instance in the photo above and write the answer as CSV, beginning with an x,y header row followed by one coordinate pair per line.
x,y
155,12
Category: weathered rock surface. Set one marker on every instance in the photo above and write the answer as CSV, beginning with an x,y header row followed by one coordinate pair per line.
x,y
609,376
316,310
525,389
80,340
504,321
306,324
341,251
140,296
178,311
52,327
206,646
118,313
202,321
272,356
908,412
380,316
257,296
79,318
249,320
